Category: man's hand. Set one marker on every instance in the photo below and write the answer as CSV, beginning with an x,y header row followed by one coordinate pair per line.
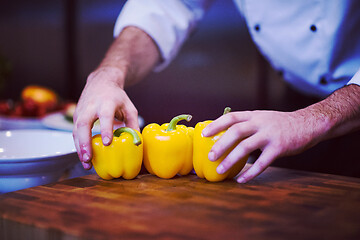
x,y
274,133
279,134
130,58
102,98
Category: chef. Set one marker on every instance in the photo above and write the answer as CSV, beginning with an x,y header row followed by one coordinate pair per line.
x,y
315,44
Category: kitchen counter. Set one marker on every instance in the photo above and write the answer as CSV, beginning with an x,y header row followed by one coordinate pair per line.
x,y
279,204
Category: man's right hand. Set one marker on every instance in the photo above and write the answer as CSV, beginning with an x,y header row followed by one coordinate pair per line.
x,y
103,98
132,55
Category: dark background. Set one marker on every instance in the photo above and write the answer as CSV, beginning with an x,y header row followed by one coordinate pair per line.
x,y
58,43
217,67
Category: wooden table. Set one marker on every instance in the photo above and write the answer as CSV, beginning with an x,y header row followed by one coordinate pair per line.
x,y
279,204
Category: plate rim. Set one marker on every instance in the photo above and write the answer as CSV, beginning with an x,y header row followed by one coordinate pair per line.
x,y
36,158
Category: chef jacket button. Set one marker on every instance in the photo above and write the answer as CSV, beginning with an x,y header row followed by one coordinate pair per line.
x,y
257,27
323,81
313,28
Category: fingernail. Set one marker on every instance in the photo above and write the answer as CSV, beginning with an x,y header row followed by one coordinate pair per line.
x,y
211,156
86,165
220,169
106,140
86,157
204,132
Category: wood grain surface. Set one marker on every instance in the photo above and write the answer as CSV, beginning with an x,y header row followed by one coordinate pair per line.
x,y
279,204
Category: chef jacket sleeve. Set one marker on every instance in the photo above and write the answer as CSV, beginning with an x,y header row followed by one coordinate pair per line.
x,y
168,23
355,79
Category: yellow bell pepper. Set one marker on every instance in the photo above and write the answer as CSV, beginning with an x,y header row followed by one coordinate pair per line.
x,y
205,168
168,148
122,158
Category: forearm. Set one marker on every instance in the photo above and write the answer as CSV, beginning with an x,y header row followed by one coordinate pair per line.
x,y
133,53
336,115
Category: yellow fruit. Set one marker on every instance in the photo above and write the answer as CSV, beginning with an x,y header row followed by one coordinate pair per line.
x,y
39,95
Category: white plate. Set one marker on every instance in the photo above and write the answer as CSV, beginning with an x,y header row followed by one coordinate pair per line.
x,y
57,121
30,145
32,157
9,123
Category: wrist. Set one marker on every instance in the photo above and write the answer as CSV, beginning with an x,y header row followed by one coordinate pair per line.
x,y
336,115
113,74
317,121
134,53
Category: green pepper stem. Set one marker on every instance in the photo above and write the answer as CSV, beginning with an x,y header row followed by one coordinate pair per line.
x,y
175,120
227,110
132,132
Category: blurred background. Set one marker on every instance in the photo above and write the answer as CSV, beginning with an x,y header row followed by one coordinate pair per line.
x,y
57,44
217,67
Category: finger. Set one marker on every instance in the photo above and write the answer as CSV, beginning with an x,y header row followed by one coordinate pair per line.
x,y
244,148
76,143
106,117
83,135
265,159
224,122
75,134
130,115
232,136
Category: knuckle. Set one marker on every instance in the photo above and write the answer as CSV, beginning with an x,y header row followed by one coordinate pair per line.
x,y
216,149
106,106
276,146
135,111
80,123
132,111
261,165
131,108
91,75
231,117
106,115
77,112
246,146
236,129
120,96
277,152
106,112
227,163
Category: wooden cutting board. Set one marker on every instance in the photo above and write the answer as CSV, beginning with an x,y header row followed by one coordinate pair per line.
x,y
279,204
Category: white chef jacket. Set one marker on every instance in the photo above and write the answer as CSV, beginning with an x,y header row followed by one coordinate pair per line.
x,y
314,43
